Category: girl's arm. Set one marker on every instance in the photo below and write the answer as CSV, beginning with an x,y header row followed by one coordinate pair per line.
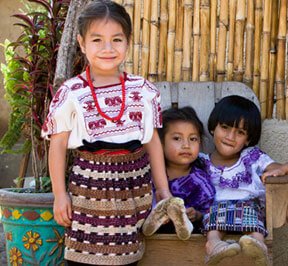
x,y
193,214
156,157
275,169
57,166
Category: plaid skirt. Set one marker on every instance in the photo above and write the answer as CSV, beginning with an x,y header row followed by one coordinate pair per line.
x,y
111,197
236,216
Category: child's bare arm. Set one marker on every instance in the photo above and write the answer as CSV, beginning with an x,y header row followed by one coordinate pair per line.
x,y
156,157
193,214
57,166
275,169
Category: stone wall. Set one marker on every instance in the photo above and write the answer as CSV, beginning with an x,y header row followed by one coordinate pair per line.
x,y
274,139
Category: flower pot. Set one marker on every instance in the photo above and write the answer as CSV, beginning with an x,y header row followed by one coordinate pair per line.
x,y
32,235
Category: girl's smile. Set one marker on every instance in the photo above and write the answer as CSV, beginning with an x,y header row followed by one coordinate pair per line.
x,y
229,142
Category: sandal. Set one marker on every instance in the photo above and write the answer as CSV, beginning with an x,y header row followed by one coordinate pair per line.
x,y
254,248
221,250
156,218
177,213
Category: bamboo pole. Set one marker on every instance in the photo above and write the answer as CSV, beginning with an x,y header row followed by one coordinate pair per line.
x,y
187,32
257,45
239,40
232,15
265,57
205,33
163,39
178,41
171,39
196,36
136,36
213,29
280,66
272,59
153,42
222,37
249,43
129,6
145,39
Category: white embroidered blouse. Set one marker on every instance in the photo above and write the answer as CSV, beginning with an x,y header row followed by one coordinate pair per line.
x,y
241,181
73,109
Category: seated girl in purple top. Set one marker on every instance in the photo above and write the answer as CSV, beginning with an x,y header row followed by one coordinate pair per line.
x,y
192,190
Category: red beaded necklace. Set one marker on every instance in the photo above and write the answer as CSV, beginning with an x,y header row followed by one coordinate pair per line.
x,y
113,119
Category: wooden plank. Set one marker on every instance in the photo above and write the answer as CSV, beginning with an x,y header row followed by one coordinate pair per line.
x,y
228,88
166,94
167,249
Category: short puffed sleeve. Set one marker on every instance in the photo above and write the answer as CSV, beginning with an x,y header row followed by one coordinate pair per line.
x,y
153,115
62,112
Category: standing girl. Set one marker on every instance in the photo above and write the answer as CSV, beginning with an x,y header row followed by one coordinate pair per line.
x,y
236,167
109,118
188,182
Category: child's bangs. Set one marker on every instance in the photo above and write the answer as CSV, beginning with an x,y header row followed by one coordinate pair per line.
x,y
233,116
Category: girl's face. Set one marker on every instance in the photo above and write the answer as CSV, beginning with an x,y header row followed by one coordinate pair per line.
x,y
105,46
229,141
181,144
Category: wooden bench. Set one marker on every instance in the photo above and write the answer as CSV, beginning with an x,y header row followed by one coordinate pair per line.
x,y
167,249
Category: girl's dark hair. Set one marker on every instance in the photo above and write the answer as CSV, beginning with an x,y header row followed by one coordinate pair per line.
x,y
231,111
185,114
104,9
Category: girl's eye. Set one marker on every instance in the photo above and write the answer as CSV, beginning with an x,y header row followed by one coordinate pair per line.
x,y
176,138
118,40
97,40
224,126
242,132
194,139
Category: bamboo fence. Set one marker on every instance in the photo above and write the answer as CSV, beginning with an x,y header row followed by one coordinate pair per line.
x,y
214,40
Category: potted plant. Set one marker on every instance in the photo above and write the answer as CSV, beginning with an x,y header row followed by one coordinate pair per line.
x,y
28,78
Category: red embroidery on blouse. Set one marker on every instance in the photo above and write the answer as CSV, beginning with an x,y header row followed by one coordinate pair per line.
x,y
120,123
135,116
136,96
113,101
97,124
89,106
56,97
76,86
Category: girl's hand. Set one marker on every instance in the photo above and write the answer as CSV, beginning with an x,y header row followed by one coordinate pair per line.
x,y
162,194
275,170
62,210
193,215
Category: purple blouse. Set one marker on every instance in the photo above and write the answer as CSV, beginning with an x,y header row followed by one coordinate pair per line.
x,y
196,189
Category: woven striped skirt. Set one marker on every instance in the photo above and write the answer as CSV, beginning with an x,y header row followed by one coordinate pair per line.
x,y
236,216
111,197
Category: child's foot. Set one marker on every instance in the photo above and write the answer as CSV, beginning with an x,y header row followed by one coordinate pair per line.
x,y
221,250
156,218
177,213
255,248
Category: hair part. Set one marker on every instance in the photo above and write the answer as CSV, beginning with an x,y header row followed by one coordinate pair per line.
x,y
185,114
231,110
104,9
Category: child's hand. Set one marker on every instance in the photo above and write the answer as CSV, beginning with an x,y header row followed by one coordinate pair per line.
x,y
162,194
280,170
62,210
192,214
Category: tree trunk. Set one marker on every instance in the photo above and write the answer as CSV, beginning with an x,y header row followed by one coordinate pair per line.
x,y
68,45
